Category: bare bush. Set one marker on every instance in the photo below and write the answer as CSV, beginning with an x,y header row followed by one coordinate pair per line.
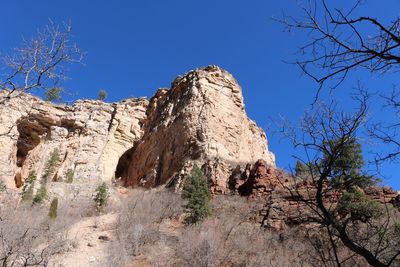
x,y
232,238
151,229
139,227
28,237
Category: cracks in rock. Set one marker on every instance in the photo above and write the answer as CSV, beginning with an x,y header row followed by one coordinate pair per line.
x,y
113,114
159,167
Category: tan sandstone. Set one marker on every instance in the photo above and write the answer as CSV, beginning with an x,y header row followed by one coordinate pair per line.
x,y
90,136
201,120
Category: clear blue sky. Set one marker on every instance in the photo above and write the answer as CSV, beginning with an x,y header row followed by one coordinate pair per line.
x,y
135,47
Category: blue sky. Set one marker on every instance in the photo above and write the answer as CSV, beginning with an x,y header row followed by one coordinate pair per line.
x,y
135,47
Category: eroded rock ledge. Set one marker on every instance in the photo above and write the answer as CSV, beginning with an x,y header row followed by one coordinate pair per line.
x,y
90,136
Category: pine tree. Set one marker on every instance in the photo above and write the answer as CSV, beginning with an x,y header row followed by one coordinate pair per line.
x,y
53,208
53,94
27,190
345,160
300,168
50,168
101,196
197,195
3,186
102,94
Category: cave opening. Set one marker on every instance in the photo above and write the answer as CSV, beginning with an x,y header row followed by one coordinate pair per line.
x,y
121,172
246,188
30,133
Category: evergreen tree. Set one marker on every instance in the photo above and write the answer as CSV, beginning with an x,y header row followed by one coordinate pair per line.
x,y
27,190
3,186
301,168
345,160
101,196
50,168
53,94
197,195
102,94
53,208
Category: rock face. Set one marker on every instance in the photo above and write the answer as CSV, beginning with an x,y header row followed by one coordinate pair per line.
x,y
280,193
89,136
201,120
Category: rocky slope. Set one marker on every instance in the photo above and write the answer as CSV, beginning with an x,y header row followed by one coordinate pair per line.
x,y
199,120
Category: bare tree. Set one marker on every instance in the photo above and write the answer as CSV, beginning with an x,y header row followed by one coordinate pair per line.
x,y
340,42
387,131
139,224
338,202
39,63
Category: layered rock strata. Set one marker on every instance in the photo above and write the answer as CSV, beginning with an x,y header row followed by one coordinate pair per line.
x,y
89,137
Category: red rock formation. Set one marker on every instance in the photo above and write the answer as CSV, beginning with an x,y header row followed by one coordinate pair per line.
x,y
18,180
281,193
258,180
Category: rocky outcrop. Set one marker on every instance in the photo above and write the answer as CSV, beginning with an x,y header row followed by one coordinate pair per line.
x,y
257,180
90,136
201,120
285,196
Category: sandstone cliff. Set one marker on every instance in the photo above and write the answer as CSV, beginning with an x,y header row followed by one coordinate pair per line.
x,y
90,136
200,120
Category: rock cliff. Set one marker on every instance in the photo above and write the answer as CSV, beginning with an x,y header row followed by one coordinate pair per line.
x,y
89,137
200,120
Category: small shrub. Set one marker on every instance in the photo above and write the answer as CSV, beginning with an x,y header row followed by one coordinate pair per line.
x,y
53,94
53,208
102,94
101,196
198,196
27,190
2,186
40,195
69,176
51,164
300,168
50,168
